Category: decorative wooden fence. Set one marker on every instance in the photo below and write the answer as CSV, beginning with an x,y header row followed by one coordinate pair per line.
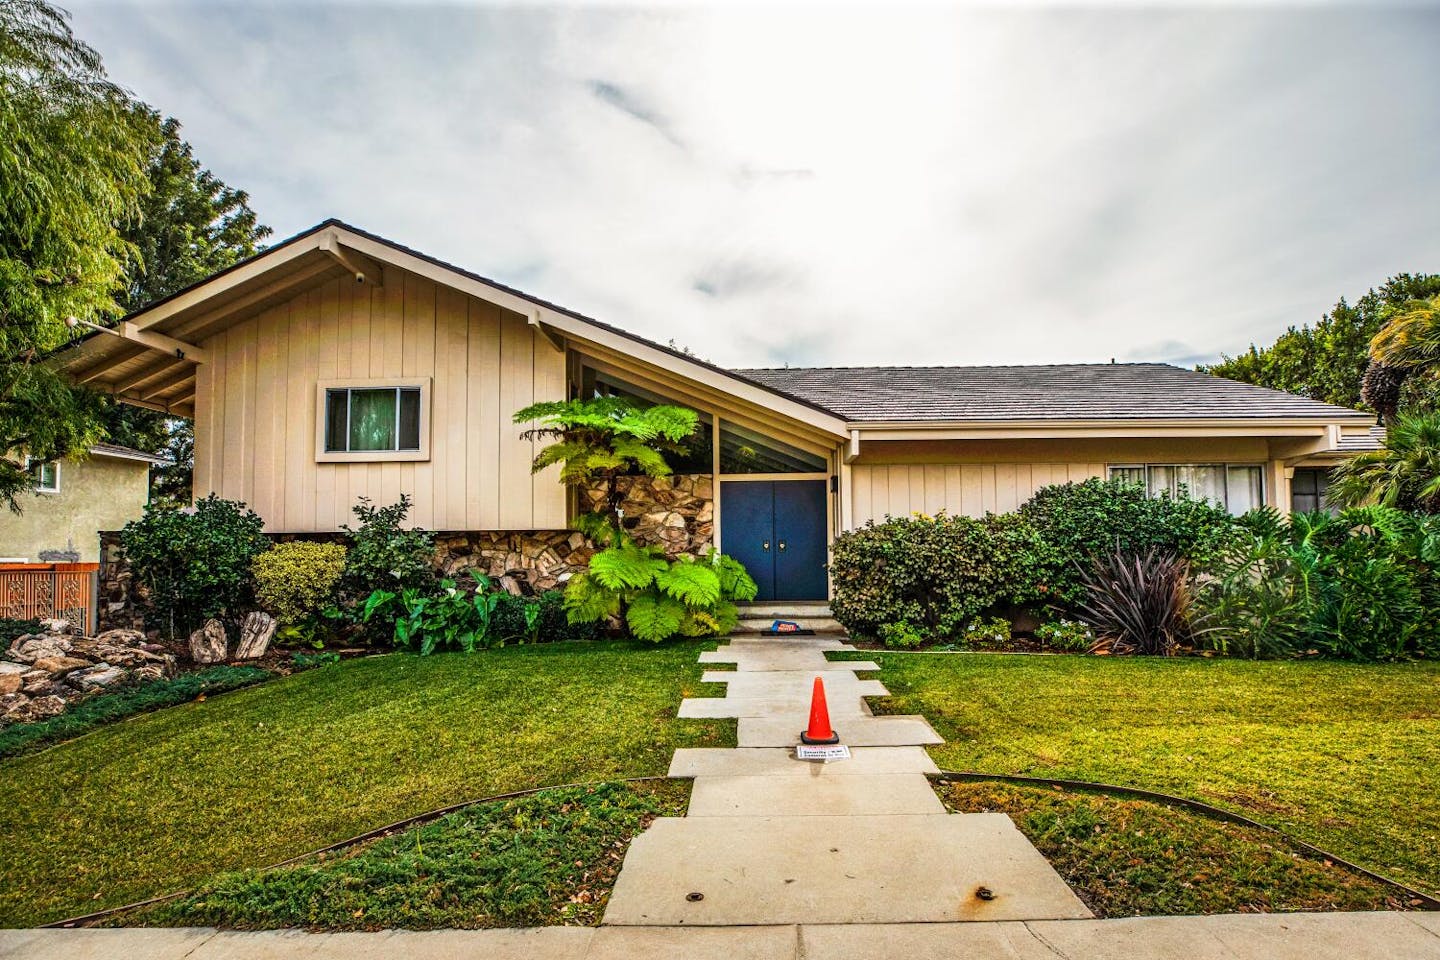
x,y
38,591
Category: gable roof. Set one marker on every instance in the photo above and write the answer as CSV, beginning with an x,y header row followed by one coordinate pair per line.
x,y
1078,391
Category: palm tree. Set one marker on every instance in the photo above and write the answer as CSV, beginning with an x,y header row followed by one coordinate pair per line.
x,y
1411,337
1404,473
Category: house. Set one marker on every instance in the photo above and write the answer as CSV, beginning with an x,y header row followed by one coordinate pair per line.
x,y
338,364
72,501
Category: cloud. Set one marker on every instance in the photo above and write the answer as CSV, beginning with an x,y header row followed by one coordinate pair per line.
x,y
884,184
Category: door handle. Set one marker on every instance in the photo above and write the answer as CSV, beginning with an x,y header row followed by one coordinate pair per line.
x,y
766,546
782,546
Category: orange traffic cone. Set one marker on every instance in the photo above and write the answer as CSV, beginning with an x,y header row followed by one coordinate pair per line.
x,y
819,730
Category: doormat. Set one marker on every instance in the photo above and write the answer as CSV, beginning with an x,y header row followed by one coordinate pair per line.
x,y
787,628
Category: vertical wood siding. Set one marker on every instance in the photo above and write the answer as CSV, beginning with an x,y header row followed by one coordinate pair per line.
x,y
970,488
255,408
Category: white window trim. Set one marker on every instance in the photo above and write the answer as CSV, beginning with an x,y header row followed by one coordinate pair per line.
x,y
372,456
38,482
1224,465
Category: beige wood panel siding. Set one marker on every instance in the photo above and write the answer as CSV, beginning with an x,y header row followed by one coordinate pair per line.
x,y
255,411
973,489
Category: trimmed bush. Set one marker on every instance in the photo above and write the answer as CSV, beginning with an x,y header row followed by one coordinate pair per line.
x,y
936,574
384,554
550,624
1080,522
195,563
294,581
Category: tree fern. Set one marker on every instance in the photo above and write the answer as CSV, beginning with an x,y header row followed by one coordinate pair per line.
x,y
627,567
654,616
586,601
695,584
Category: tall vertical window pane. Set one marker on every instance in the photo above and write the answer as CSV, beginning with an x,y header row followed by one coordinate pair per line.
x,y
1245,489
372,419
336,419
1161,480
409,419
1202,482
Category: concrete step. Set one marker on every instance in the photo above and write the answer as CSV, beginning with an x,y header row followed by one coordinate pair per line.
x,y
892,731
775,762
758,617
861,795
713,871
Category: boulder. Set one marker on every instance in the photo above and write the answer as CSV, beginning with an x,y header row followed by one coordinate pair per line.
x,y
209,644
100,675
121,638
38,646
255,636
42,707
55,625
59,666
10,683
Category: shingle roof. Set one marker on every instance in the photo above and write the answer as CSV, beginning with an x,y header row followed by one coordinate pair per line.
x,y
1372,439
125,453
1109,391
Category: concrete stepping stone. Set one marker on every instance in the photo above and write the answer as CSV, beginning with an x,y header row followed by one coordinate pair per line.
x,y
896,731
765,683
762,796
771,762
774,706
864,869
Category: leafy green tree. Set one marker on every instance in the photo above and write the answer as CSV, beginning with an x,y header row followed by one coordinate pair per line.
x,y
598,441
72,166
190,226
1328,361
1404,473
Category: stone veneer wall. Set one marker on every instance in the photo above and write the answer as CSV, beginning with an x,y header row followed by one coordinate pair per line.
x,y
677,513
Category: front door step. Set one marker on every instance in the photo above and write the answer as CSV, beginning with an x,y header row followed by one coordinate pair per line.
x,y
862,869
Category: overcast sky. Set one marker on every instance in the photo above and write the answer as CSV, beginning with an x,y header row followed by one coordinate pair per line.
x,y
920,186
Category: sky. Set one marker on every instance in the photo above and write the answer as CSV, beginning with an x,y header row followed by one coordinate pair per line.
x,y
821,185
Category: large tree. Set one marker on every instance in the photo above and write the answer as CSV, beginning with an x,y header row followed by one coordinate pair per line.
x,y
73,156
190,225
1328,361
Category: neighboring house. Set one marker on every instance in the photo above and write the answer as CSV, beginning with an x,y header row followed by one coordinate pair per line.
x,y
73,501
337,365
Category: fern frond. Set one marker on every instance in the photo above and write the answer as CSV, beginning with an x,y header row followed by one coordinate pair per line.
x,y
694,584
627,567
654,616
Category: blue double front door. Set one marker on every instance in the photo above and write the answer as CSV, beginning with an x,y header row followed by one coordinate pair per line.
x,y
776,528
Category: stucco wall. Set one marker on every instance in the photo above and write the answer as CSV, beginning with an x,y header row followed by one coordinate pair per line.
x,y
101,493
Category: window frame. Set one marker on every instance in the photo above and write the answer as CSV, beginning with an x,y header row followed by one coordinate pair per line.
x,y
39,467
1225,467
322,390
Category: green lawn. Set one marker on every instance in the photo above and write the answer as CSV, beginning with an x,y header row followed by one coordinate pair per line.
x,y
1342,755
253,777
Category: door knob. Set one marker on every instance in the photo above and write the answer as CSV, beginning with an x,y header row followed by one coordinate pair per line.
x,y
782,546
766,546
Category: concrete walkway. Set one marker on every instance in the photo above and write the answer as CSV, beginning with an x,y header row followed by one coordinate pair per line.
x,y
770,839
802,861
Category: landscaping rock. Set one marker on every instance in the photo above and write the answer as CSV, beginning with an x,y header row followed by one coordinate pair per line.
x,y
121,638
38,646
255,636
10,683
100,675
59,666
209,644
43,707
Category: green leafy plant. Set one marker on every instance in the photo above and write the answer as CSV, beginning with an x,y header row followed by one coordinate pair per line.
x,y
1080,521
1258,597
600,440
658,597
295,581
539,619
986,633
195,564
451,619
1139,602
385,554
938,573
901,636
1404,473
1066,636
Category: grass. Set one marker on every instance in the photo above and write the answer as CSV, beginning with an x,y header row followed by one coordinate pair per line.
x,y
1127,857
156,803
544,859
1340,755
106,708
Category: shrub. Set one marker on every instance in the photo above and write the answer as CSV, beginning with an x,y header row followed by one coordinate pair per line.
x,y
1139,602
1066,636
195,563
1080,521
539,619
1257,598
937,573
294,581
658,597
901,636
384,555
991,633
450,619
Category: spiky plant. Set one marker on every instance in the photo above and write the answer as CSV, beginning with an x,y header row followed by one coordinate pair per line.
x,y
1404,473
1139,602
1411,335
